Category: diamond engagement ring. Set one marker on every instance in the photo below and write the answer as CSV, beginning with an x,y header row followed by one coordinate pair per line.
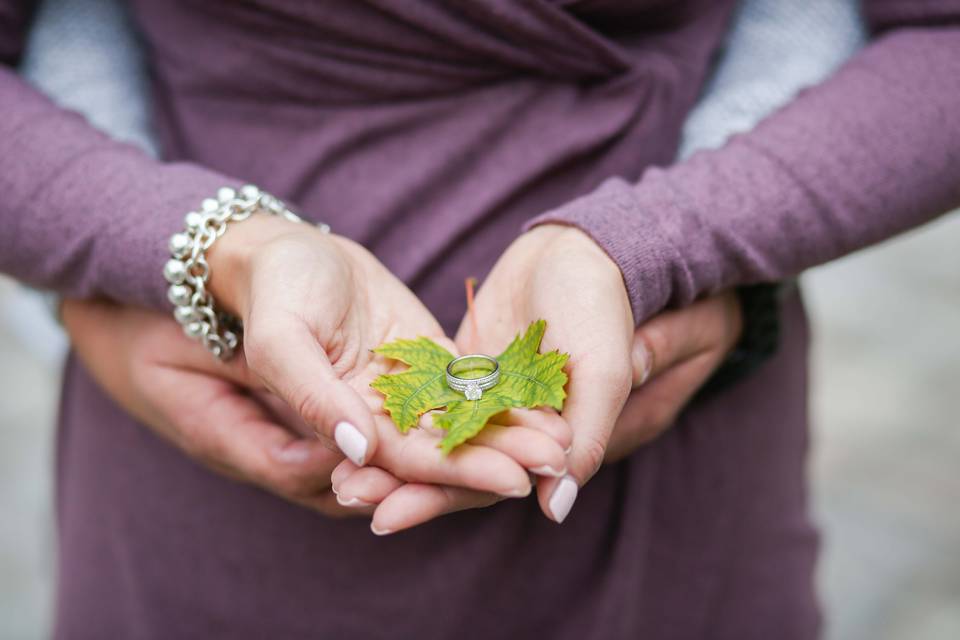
x,y
473,388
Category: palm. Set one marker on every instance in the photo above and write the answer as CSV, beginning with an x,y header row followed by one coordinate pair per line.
x,y
560,275
581,298
370,307
321,305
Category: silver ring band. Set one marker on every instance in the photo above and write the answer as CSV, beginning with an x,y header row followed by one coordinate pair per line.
x,y
472,388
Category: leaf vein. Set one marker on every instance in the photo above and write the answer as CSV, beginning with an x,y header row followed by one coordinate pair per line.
x,y
403,407
525,377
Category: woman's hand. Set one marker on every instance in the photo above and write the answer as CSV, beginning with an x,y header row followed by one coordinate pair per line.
x,y
560,274
673,354
208,409
314,305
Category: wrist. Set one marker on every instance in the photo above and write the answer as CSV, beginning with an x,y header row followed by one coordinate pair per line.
x,y
232,256
218,324
570,238
756,337
566,243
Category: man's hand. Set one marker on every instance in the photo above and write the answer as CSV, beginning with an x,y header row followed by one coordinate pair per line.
x,y
217,413
674,353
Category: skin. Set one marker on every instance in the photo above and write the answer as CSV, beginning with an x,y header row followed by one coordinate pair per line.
x,y
559,274
174,387
216,413
315,358
314,305
624,391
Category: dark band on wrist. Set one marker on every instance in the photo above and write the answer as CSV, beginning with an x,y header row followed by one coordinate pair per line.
x,y
760,306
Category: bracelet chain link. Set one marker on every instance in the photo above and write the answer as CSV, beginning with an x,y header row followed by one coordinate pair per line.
x,y
188,272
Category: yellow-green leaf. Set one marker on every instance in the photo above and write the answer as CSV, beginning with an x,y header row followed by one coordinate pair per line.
x,y
534,379
527,379
464,419
420,388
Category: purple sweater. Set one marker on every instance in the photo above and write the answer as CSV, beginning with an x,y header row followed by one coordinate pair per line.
x,y
431,132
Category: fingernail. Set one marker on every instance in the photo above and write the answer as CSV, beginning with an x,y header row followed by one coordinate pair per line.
x,y
641,352
517,493
564,495
547,470
567,451
351,442
295,452
380,532
352,502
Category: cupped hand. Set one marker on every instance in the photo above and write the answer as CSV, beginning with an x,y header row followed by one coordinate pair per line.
x,y
314,306
560,275
672,355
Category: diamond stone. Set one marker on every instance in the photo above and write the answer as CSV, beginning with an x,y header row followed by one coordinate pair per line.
x,y
473,391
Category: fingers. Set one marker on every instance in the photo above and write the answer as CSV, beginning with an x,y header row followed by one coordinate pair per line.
x,y
652,408
343,471
544,419
415,457
153,337
359,487
673,355
674,336
230,433
597,391
397,506
326,504
406,505
281,413
186,395
414,504
295,367
532,449
183,353
537,440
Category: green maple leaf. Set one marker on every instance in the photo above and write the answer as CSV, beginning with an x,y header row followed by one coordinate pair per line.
x,y
527,379
420,388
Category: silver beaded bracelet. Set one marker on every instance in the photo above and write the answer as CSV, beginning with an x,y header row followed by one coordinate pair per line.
x,y
188,272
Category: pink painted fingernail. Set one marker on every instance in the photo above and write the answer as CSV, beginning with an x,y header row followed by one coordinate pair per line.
x,y
547,470
380,532
352,502
564,495
351,442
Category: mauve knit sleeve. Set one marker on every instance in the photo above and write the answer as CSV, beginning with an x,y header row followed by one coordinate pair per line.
x,y
79,212
871,152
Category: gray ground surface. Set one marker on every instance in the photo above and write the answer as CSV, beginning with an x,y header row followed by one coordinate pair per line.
x,y
886,404
886,401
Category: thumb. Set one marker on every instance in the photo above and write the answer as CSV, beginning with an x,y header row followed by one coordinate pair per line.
x,y
293,365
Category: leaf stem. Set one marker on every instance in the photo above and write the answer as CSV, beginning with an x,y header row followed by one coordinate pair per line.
x,y
470,284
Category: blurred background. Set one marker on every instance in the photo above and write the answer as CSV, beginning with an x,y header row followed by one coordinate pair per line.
x,y
885,362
